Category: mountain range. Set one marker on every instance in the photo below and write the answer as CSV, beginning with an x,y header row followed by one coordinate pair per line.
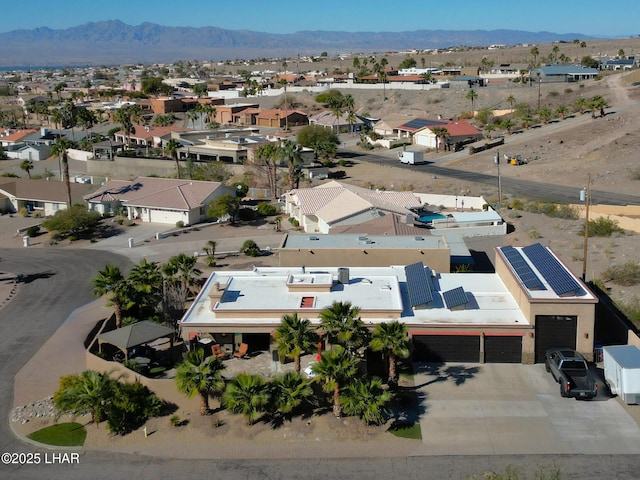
x,y
114,42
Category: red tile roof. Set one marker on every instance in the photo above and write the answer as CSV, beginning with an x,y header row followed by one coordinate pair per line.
x,y
17,135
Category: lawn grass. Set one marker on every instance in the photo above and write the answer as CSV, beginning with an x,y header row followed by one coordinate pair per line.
x,y
407,430
62,435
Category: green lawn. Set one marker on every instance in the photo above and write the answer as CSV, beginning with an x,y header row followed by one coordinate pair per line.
x,y
61,434
408,430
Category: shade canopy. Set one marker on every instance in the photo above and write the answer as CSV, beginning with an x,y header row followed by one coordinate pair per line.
x,y
135,334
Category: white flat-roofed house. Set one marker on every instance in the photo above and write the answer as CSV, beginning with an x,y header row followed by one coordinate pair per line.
x,y
465,317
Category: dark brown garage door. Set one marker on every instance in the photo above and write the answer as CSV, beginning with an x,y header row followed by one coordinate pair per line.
x,y
446,348
554,331
503,349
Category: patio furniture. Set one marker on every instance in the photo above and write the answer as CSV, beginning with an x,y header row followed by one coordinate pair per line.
x,y
216,350
242,351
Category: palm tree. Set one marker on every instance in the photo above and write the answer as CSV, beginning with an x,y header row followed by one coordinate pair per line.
x,y
507,124
545,115
489,127
342,325
59,148
111,282
171,148
554,52
598,103
472,95
390,338
349,104
123,117
266,159
336,369
294,337
288,391
247,394
27,166
511,100
562,110
146,281
87,392
368,401
200,375
441,134
580,104
534,53
290,153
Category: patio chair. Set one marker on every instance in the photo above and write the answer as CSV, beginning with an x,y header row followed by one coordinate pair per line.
x,y
216,350
242,351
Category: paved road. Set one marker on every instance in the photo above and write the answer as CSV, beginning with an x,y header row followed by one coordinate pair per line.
x,y
517,187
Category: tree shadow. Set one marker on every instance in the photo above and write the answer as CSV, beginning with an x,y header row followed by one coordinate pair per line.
x,y
34,276
442,372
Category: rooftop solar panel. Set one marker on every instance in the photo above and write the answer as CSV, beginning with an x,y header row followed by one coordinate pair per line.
x,y
418,123
455,298
556,275
418,284
527,276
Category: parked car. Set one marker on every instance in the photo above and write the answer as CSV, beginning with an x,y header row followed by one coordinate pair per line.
x,y
571,371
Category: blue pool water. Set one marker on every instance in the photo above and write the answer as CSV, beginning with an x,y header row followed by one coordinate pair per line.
x,y
430,217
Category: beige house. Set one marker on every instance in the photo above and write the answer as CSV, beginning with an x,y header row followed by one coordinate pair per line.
x,y
158,200
38,196
331,204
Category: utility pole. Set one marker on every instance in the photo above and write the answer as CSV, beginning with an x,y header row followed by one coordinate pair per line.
x,y
496,160
585,196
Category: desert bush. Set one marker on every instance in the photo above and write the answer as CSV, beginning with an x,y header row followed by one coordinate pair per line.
x,y
516,204
250,248
631,309
625,274
267,210
553,210
33,231
179,224
601,227
75,220
293,221
533,233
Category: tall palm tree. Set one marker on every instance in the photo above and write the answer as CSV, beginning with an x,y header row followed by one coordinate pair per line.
x,y
247,394
123,117
88,392
266,160
349,104
288,391
597,103
290,153
336,368
59,148
200,375
182,267
472,95
171,148
27,166
342,325
511,100
390,338
554,52
534,53
111,282
368,401
294,337
146,280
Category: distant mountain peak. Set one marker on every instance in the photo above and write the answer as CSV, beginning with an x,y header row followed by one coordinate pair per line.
x,y
115,42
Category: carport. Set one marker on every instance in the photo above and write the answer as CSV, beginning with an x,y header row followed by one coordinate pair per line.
x,y
140,333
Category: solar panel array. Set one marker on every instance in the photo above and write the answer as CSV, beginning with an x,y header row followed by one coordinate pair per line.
x,y
418,284
527,276
455,297
418,123
560,280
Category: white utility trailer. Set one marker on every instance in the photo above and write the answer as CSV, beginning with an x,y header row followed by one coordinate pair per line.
x,y
622,371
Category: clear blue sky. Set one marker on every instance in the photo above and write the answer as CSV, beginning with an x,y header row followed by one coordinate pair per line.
x,y
614,18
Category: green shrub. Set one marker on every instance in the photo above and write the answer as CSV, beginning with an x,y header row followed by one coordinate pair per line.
x,y
175,420
33,231
626,274
250,248
179,224
632,310
247,214
554,210
601,227
516,204
266,209
293,221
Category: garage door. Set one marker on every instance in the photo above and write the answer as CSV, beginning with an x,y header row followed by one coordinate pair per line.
x,y
554,331
503,349
446,348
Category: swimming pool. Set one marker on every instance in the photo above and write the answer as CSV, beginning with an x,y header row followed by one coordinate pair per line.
x,y
430,217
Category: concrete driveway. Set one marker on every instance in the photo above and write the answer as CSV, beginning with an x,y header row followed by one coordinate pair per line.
x,y
489,409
